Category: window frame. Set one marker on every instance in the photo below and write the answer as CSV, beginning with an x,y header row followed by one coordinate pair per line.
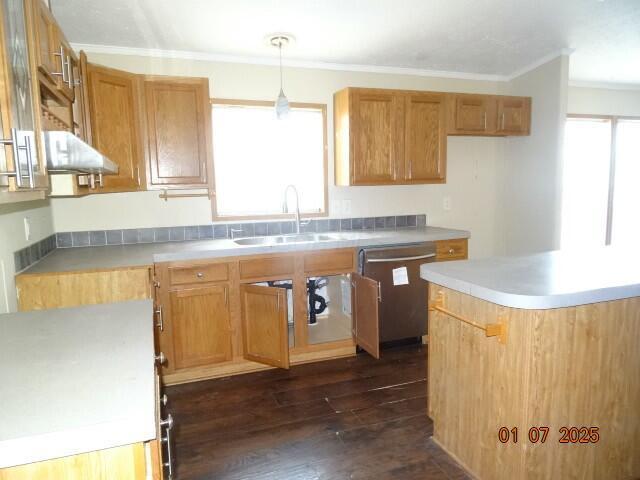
x,y
612,162
325,162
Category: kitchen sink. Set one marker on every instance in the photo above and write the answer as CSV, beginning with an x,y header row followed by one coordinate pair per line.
x,y
283,239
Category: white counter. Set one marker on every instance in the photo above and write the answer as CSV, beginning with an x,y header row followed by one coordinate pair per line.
x,y
545,280
74,380
118,256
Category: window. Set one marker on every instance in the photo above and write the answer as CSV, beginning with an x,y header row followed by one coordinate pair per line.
x,y
600,198
256,156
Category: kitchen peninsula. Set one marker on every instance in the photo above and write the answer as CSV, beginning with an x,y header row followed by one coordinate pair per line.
x,y
533,364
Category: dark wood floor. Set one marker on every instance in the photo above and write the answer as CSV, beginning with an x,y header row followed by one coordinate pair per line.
x,y
354,418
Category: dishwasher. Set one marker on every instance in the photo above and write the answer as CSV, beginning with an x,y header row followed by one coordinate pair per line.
x,y
402,309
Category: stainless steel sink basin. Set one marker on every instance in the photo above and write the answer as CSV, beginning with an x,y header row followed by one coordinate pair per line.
x,y
280,239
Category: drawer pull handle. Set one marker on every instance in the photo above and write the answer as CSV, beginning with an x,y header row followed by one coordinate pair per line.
x,y
199,274
451,251
491,329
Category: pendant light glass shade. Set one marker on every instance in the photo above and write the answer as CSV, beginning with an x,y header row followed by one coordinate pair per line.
x,y
282,105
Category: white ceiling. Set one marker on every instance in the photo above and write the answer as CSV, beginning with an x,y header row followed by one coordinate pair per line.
x,y
481,37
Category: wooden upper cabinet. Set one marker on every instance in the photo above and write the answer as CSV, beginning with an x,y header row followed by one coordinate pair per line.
x,y
265,331
178,126
200,326
425,146
488,115
375,133
473,114
514,115
115,125
47,51
368,136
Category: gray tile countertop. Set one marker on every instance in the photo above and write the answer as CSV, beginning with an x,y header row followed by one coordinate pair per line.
x,y
61,397
118,256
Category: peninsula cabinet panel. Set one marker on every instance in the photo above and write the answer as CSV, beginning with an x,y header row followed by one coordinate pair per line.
x,y
425,148
115,125
570,368
178,131
200,326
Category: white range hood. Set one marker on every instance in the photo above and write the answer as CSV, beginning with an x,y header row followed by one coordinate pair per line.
x,y
66,153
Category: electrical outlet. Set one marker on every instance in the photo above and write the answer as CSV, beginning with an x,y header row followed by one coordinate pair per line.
x,y
446,203
27,229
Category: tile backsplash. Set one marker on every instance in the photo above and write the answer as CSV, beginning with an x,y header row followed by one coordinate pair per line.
x,y
231,230
31,254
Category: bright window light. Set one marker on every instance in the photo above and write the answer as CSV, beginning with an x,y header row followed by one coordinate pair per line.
x,y
625,226
585,192
256,156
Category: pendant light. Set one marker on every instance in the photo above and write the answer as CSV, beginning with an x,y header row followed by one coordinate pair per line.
x,y
282,103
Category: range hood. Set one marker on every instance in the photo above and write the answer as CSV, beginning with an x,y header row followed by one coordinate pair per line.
x,y
66,153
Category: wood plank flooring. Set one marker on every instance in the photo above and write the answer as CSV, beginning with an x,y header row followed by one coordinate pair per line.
x,y
355,418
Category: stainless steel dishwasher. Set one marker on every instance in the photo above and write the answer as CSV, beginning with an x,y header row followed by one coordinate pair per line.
x,y
403,294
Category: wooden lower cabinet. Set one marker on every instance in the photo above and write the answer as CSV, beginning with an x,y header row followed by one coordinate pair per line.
x,y
39,291
200,326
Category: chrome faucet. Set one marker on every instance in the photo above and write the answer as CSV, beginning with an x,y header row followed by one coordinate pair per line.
x,y
285,207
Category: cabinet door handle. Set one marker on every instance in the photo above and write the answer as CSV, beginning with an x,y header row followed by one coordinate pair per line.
x,y
63,72
160,322
226,296
484,115
15,150
380,292
70,81
167,441
161,359
27,142
502,121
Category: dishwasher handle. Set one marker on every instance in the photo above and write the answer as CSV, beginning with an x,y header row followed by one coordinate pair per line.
x,y
399,259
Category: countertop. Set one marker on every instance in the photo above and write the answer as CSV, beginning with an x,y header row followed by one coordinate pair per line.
x,y
75,380
119,256
545,280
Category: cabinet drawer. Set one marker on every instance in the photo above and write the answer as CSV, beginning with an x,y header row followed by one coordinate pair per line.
x,y
213,272
267,267
334,260
451,249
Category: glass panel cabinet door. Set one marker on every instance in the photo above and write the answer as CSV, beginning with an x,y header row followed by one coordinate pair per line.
x,y
19,99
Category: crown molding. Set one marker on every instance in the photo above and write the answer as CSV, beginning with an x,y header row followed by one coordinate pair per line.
x,y
541,61
214,57
604,85
251,60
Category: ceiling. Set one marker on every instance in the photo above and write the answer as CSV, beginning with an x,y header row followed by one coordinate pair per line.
x,y
479,37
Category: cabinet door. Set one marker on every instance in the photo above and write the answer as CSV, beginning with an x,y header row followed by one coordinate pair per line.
x,y
115,125
473,113
264,330
514,115
375,130
178,130
47,51
365,302
425,146
81,120
200,326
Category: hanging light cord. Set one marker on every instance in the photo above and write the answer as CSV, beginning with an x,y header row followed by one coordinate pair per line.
x,y
280,51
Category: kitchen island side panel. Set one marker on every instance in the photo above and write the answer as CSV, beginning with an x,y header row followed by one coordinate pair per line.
x,y
569,367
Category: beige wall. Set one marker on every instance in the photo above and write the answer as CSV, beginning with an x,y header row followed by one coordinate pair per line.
x,y
604,101
531,176
472,162
12,238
